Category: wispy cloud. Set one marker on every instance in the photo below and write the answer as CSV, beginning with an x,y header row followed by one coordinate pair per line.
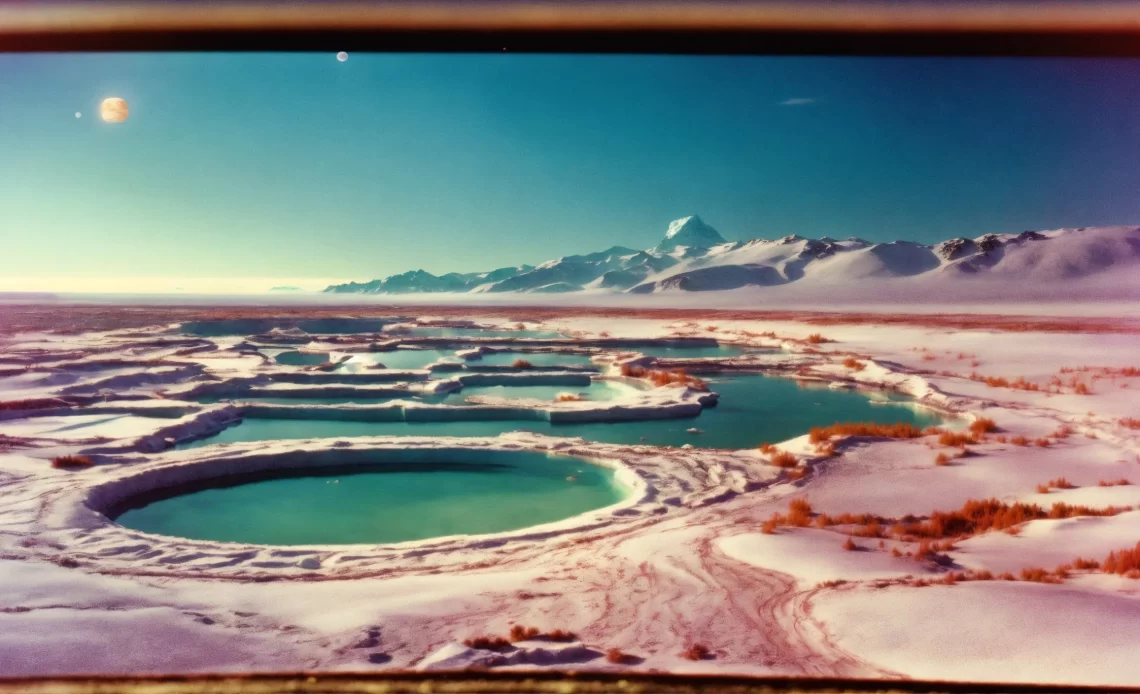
x,y
798,101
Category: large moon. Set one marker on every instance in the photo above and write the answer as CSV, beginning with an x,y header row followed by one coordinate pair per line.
x,y
114,110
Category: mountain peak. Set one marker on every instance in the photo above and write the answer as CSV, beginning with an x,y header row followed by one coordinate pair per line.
x,y
690,231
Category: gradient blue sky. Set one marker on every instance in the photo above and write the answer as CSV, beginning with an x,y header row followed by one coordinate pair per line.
x,y
292,166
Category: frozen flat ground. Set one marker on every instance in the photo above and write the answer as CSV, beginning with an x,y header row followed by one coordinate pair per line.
x,y
684,562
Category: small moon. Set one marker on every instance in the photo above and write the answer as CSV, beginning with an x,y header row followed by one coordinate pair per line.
x,y
342,56
114,110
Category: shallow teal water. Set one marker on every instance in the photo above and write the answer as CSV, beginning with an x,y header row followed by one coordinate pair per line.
x,y
385,503
295,358
479,332
400,359
672,352
597,390
752,409
537,359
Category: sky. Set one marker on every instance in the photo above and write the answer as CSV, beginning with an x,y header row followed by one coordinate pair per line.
x,y
267,169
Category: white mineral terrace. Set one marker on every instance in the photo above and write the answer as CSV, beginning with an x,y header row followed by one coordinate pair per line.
x,y
681,560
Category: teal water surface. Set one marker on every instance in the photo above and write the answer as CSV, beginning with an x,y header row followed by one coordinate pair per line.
x,y
478,332
399,359
497,492
752,409
536,359
673,352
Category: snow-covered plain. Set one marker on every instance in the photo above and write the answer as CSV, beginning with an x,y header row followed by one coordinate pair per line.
x,y
681,561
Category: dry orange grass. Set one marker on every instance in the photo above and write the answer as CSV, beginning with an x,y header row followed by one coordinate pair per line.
x,y
983,425
980,516
898,430
660,378
521,364
695,652
569,397
1019,441
1124,562
958,440
850,545
71,462
817,339
1059,483
854,364
1130,422
942,459
784,459
488,643
521,633
1122,482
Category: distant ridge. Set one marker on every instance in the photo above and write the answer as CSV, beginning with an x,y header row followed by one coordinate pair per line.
x,y
693,256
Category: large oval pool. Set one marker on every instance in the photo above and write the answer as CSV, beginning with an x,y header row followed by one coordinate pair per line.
x,y
379,503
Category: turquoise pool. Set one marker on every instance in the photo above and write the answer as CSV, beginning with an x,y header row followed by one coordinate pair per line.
x,y
752,409
485,492
536,359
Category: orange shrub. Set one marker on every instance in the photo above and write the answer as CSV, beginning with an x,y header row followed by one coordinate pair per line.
x,y
983,425
796,473
488,643
617,657
71,462
1039,575
1082,389
561,636
942,459
854,364
1019,441
1080,563
569,397
521,633
898,430
1125,562
771,524
521,364
695,652
784,459
1113,483
872,529
949,438
850,545
979,516
661,378
1042,443
1130,422
768,448
816,339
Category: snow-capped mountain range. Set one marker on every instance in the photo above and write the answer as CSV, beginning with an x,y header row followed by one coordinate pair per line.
x,y
693,256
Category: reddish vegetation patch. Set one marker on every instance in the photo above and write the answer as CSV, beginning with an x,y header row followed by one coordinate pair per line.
x,y
784,459
1019,441
695,652
854,364
898,430
1059,483
521,633
799,515
1130,422
979,516
850,545
488,643
1125,562
983,425
71,462
618,657
521,364
1113,483
817,339
561,636
959,440
661,377
568,397
941,459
